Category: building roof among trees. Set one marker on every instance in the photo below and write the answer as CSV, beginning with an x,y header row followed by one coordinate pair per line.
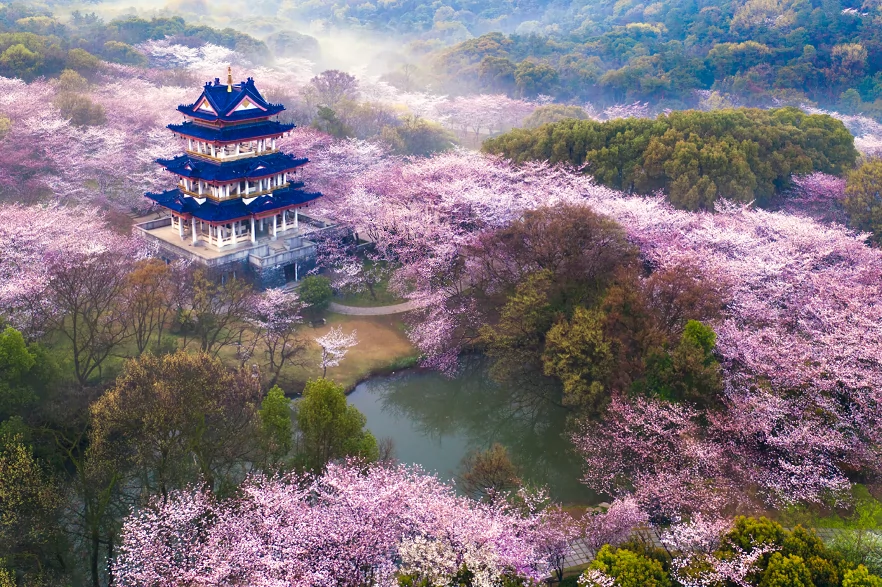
x,y
230,210
230,102
250,168
228,134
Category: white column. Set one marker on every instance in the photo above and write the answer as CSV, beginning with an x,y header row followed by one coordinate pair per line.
x,y
253,238
180,227
200,187
296,219
284,220
275,232
194,230
274,144
237,148
220,237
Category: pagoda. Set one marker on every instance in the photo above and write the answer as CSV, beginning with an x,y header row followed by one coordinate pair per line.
x,y
235,186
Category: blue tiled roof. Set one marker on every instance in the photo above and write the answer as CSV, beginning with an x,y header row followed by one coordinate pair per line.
x,y
230,210
226,134
252,167
224,103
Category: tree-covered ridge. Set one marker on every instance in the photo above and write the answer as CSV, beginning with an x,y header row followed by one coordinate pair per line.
x,y
34,43
695,157
757,50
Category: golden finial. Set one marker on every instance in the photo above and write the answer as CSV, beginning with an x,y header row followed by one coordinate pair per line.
x,y
229,78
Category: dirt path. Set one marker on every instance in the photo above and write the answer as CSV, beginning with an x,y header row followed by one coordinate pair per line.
x,y
375,311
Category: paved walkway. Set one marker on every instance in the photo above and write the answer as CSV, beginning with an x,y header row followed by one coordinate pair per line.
x,y
373,311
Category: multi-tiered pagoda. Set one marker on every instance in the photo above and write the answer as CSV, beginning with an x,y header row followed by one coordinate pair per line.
x,y
234,184
236,189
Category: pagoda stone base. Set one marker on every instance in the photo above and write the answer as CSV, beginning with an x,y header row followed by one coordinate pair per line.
x,y
267,263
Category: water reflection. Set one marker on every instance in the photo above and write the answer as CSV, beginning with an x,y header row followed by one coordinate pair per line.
x,y
435,421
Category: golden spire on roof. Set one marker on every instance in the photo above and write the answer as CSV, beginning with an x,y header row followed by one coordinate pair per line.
x,y
229,78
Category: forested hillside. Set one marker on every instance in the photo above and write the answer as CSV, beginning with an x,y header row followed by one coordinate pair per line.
x,y
756,52
694,157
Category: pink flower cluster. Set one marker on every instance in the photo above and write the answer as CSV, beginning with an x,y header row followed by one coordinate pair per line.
x,y
350,526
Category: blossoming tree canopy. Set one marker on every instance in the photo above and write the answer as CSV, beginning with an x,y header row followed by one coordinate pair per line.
x,y
349,526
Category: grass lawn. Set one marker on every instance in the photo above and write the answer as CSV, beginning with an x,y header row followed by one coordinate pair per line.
x,y
382,345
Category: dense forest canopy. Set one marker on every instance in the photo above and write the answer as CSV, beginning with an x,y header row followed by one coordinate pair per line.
x,y
695,157
759,52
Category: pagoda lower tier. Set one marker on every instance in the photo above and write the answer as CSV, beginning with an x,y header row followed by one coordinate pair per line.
x,y
232,221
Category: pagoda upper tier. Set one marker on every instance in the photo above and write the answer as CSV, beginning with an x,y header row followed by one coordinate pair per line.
x,y
250,131
230,103
252,168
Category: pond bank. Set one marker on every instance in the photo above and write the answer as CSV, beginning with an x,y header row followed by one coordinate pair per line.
x,y
434,421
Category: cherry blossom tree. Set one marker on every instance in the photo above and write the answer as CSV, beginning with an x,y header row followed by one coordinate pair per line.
x,y
38,238
615,525
349,526
334,347
697,562
276,317
817,195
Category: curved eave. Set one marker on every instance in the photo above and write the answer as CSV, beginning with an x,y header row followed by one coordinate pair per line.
x,y
233,210
232,171
232,134
240,116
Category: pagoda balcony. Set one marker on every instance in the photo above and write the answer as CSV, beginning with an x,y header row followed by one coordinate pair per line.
x,y
293,244
233,195
221,156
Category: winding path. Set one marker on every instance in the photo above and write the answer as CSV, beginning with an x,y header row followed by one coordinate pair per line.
x,y
373,311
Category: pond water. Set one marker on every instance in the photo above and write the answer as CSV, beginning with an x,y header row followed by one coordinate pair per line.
x,y
434,421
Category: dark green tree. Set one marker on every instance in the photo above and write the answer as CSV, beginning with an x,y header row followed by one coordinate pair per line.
x,y
330,428
863,198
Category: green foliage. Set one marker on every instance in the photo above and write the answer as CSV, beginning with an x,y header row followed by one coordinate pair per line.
x,y
29,507
326,120
276,424
26,371
516,339
689,372
696,157
82,61
860,577
749,532
19,61
330,428
122,53
863,200
630,569
786,571
534,78
417,136
80,109
578,353
553,113
315,291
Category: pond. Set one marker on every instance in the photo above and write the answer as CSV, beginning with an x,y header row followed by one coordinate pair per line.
x,y
434,421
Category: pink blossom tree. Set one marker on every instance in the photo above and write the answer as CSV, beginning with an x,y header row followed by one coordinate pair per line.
x,y
350,526
276,317
334,347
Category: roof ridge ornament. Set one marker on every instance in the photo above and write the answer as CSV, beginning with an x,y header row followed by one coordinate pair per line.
x,y
229,78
